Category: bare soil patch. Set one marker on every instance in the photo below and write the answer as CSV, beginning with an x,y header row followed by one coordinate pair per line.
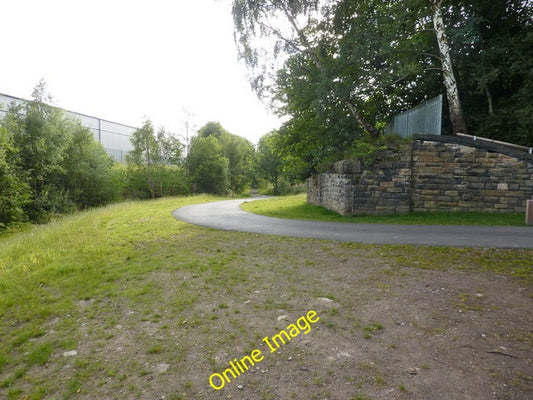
x,y
388,329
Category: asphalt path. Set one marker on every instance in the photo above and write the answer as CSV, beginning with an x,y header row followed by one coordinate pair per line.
x,y
227,215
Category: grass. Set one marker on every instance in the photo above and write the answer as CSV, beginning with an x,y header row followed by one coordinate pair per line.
x,y
128,287
296,207
369,329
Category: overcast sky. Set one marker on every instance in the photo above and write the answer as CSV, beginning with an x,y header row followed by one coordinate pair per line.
x,y
125,60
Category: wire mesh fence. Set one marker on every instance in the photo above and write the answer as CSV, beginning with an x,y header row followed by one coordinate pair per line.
x,y
425,118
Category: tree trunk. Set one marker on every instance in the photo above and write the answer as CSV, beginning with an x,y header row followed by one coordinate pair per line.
x,y
452,92
489,99
368,127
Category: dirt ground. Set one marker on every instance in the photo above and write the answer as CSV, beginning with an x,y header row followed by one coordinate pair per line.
x,y
385,331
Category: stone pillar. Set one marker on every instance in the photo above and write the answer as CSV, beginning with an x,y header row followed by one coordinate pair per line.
x,y
529,212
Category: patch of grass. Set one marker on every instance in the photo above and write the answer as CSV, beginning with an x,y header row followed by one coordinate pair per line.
x,y
155,349
368,330
14,393
512,262
111,282
40,354
296,207
360,397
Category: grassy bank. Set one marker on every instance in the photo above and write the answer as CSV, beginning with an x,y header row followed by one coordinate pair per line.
x,y
100,304
296,207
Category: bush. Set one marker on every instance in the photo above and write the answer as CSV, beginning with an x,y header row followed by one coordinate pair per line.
x,y
89,178
284,188
49,164
136,182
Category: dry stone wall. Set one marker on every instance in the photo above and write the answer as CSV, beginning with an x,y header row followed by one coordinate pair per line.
x,y
432,173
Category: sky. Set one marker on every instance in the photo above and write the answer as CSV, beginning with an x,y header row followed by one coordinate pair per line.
x,y
172,61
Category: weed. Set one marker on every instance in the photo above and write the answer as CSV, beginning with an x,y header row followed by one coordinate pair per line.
x,y
334,311
360,397
19,373
318,382
14,393
369,329
155,349
3,361
40,354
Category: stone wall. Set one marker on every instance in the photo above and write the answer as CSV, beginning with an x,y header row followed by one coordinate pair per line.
x,y
432,173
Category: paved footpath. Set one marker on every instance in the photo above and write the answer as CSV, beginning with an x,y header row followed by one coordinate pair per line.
x,y
227,215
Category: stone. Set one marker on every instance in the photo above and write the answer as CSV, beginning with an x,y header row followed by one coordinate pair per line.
x,y
347,167
324,300
161,368
70,353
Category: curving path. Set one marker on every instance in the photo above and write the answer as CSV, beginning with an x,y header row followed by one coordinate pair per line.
x,y
227,215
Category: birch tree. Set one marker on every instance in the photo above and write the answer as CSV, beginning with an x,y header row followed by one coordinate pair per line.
x,y
269,31
450,83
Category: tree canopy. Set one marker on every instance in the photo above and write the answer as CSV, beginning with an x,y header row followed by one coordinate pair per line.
x,y
49,163
238,152
339,69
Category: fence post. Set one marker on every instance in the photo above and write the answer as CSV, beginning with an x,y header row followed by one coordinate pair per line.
x,y
529,212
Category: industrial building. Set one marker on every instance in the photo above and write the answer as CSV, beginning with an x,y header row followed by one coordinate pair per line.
x,y
114,137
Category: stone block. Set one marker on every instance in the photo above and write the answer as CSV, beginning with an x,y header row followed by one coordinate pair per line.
x,y
500,206
347,167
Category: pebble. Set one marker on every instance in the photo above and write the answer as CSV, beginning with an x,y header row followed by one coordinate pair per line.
x,y
161,368
325,299
70,353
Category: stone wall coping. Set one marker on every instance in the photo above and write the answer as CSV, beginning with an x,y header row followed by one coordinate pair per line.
x,y
479,144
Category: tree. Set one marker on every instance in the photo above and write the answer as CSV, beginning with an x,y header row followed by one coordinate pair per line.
x,y
208,168
490,44
41,139
269,161
288,27
382,57
144,157
237,150
367,54
450,83
49,164
170,148
14,192
88,175
150,158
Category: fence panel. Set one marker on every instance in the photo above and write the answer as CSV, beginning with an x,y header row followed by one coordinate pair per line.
x,y
425,118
